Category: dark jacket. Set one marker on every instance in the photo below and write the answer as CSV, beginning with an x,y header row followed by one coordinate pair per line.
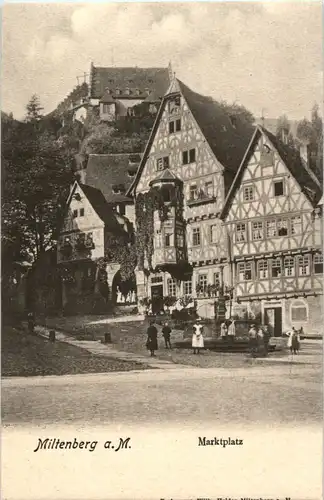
x,y
166,330
151,343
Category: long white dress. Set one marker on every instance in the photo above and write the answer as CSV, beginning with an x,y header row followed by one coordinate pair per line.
x,y
197,337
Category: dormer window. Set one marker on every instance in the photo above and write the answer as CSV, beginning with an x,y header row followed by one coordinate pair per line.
x,y
131,173
137,92
127,91
111,81
147,91
107,90
150,80
130,82
118,91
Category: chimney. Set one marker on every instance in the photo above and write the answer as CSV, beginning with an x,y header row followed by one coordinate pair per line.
x,y
304,152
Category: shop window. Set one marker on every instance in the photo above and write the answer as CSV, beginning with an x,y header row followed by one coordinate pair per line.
x,y
299,311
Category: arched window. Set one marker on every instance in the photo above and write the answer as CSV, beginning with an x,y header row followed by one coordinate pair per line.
x,y
299,310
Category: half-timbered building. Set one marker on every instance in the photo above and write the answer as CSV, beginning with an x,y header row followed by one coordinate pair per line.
x,y
272,215
189,163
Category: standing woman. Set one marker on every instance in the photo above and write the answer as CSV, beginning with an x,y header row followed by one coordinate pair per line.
x,y
223,331
231,332
151,342
197,336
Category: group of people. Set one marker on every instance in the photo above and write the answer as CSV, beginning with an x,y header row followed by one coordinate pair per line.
x,y
294,340
259,338
152,341
197,341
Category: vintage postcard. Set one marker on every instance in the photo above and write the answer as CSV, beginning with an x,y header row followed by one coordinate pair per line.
x,y
162,263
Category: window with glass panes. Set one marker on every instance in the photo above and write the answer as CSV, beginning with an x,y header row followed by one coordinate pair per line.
x,y
289,266
296,225
248,193
171,286
162,163
216,279
189,156
271,228
276,268
318,263
168,239
193,192
196,236
187,287
241,232
244,271
209,189
303,265
263,269
202,281
257,230
213,233
282,227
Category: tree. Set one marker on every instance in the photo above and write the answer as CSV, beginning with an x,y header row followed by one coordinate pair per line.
x,y
33,110
239,111
36,179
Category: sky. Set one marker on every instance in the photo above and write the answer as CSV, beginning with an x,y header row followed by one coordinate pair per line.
x,y
266,56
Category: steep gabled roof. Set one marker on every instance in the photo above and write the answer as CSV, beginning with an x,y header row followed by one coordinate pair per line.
x,y
228,139
108,170
135,79
101,207
290,157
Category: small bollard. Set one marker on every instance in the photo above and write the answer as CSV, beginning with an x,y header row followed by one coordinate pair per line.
x,y
107,338
51,337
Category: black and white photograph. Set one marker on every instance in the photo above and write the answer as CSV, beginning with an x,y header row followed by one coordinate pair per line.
x,y
162,260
